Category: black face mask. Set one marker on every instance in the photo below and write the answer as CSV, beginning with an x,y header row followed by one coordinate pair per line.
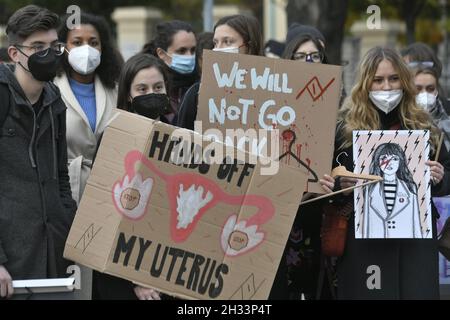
x,y
151,105
43,68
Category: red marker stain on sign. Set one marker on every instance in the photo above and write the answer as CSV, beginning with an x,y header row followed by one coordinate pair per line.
x,y
314,88
299,150
309,162
287,137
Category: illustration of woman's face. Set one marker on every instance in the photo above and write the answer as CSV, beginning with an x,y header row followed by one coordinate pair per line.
x,y
389,163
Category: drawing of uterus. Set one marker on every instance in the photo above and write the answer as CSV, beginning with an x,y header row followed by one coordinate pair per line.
x,y
190,196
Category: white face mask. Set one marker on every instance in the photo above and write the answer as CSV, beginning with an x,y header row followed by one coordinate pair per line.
x,y
228,49
386,101
84,59
426,100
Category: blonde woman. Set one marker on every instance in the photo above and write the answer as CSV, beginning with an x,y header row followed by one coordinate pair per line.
x,y
384,99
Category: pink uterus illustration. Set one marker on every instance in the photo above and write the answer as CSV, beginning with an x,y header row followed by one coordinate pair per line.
x,y
191,196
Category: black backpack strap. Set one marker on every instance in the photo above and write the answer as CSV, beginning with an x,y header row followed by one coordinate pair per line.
x,y
4,104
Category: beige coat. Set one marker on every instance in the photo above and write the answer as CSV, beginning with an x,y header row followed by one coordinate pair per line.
x,y
81,141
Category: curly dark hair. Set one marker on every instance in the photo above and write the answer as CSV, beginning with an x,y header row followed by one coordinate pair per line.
x,y
165,32
111,61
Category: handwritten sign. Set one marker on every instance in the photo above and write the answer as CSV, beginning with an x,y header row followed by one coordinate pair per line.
x,y
256,93
195,230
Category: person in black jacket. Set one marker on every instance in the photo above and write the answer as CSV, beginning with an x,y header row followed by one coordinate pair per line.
x,y
303,248
186,116
143,90
383,98
36,207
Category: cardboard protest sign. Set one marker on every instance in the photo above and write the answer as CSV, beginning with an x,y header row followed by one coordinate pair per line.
x,y
399,206
200,230
257,93
443,206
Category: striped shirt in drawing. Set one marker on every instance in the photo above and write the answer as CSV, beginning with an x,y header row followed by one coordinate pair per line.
x,y
390,190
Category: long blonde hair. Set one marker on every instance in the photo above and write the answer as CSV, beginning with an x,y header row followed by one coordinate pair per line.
x,y
358,112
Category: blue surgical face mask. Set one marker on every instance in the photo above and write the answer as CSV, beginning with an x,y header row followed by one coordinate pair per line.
x,y
182,63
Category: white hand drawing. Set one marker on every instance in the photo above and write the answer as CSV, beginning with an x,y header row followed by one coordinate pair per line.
x,y
189,204
131,197
251,238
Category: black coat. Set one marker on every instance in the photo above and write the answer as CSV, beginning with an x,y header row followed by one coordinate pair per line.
x,y
409,268
36,207
179,84
187,112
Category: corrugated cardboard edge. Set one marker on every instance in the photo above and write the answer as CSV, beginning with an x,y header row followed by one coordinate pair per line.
x,y
70,250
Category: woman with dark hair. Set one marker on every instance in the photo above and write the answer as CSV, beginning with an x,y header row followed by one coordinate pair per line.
x,y
305,48
186,115
303,248
233,34
87,83
175,45
389,161
142,90
143,87
238,34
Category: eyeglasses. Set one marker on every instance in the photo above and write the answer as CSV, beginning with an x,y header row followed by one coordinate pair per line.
x,y
42,51
303,56
414,64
